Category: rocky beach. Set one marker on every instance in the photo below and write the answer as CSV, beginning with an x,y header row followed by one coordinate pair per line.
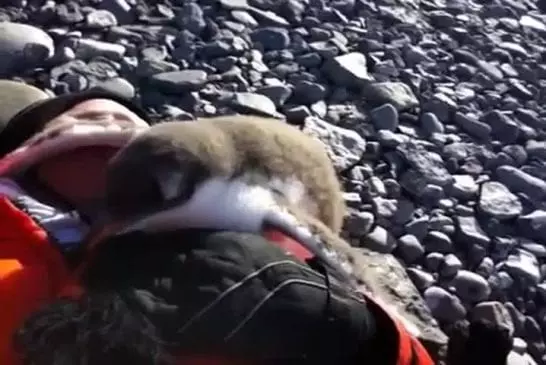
x,y
432,110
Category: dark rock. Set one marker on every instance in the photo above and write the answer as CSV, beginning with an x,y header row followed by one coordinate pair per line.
x,y
472,126
409,248
306,92
436,241
271,38
385,117
430,165
179,81
431,124
444,306
191,18
519,181
470,231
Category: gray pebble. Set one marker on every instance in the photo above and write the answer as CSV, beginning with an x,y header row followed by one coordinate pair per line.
x,y
519,181
359,224
495,313
472,126
431,124
444,306
471,287
451,265
497,201
436,241
379,240
385,117
409,248
23,46
179,81
421,279
433,261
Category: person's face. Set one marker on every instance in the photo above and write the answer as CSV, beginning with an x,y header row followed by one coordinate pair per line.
x,y
97,110
79,175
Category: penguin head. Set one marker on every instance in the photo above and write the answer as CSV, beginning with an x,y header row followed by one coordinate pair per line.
x,y
163,167
188,175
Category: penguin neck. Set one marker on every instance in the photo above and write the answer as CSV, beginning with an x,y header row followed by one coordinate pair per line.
x,y
220,203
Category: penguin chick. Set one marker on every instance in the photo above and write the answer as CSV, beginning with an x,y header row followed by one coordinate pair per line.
x,y
233,169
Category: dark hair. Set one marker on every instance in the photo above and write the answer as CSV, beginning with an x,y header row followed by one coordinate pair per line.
x,y
98,328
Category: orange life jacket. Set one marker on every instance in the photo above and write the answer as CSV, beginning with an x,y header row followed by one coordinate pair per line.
x,y
32,271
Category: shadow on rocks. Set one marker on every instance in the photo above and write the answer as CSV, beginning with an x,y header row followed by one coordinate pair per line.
x,y
478,342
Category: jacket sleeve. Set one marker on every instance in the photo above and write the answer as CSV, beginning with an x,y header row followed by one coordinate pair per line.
x,y
31,273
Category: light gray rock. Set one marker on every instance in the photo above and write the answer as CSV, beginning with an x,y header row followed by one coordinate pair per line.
x,y
444,306
396,93
517,359
497,201
464,187
246,102
471,287
471,232
384,277
179,82
349,70
344,146
88,48
379,240
23,46
524,265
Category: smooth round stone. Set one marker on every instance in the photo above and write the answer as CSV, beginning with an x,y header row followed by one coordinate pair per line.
x,y
385,117
471,287
434,260
421,279
118,85
23,45
451,265
409,248
444,306
486,267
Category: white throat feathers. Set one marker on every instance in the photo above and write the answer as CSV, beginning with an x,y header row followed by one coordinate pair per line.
x,y
220,203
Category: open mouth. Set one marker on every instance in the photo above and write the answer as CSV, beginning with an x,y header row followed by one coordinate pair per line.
x,y
66,137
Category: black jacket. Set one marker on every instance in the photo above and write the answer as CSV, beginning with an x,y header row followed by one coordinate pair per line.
x,y
197,291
